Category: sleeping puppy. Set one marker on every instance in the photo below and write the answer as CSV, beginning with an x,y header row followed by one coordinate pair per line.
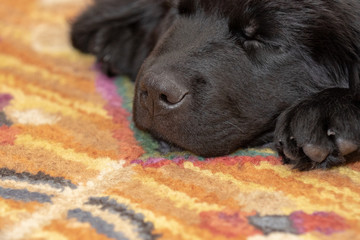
x,y
215,75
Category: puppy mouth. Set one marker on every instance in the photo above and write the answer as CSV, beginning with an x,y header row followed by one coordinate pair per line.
x,y
166,147
183,131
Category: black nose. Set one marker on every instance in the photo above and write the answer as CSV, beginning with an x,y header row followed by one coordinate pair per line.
x,y
159,93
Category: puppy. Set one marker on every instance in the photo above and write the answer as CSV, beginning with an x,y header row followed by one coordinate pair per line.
x,y
215,75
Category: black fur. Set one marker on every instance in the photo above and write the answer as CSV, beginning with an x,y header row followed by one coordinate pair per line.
x,y
216,75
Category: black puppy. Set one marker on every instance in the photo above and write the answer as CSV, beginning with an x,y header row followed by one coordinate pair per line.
x,y
216,75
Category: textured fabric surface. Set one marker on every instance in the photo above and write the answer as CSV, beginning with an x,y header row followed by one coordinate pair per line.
x,y
72,166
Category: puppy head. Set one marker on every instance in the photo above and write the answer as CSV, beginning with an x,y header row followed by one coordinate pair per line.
x,y
221,74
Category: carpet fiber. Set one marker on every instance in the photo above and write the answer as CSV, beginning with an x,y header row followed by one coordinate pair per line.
x,y
72,165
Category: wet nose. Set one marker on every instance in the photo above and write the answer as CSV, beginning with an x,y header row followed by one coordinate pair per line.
x,y
160,93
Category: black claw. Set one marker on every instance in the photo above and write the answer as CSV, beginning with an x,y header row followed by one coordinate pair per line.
x,y
332,161
303,165
286,160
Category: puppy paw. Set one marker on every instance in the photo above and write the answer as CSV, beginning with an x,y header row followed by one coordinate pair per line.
x,y
103,46
105,31
319,132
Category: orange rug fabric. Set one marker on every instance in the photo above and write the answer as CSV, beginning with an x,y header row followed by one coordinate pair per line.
x,y
72,165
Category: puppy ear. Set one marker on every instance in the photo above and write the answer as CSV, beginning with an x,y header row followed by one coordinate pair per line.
x,y
120,33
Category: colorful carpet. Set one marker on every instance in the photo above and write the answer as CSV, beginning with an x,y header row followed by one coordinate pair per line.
x,y
72,165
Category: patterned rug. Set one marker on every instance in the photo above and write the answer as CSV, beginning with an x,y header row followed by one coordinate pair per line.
x,y
72,165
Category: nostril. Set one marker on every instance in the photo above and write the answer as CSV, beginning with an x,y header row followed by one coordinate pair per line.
x,y
172,98
164,98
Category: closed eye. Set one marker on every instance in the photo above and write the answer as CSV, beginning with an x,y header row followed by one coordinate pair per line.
x,y
245,41
251,43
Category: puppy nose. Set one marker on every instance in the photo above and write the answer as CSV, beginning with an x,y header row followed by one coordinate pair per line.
x,y
160,93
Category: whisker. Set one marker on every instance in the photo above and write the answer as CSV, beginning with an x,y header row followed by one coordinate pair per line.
x,y
228,121
237,127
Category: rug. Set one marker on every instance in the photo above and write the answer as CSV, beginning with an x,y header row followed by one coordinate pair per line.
x,y
73,166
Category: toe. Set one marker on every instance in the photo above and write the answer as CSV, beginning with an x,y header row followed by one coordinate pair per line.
x,y
316,153
346,146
